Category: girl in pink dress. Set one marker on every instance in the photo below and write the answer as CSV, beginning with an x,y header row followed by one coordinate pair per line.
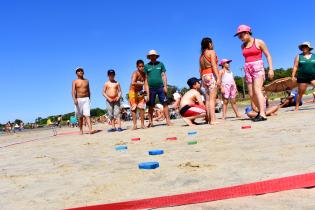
x,y
228,88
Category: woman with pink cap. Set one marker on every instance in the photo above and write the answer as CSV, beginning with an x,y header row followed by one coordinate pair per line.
x,y
210,76
228,88
254,69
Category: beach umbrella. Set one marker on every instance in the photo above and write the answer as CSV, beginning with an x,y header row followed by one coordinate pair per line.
x,y
280,85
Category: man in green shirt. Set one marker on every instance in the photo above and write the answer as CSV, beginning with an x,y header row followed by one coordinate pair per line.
x,y
156,84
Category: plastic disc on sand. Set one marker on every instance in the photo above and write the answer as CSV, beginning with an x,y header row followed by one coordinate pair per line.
x,y
192,133
156,152
149,165
171,138
123,147
135,139
246,126
192,142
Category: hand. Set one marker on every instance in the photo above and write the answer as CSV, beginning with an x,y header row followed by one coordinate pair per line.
x,y
293,77
75,101
165,89
109,99
270,74
218,83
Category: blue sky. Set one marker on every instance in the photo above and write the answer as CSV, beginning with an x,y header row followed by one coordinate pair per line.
x,y
43,41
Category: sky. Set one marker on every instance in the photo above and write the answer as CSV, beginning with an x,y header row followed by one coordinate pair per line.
x,y
42,42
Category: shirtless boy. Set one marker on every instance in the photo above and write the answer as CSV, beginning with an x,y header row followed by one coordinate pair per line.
x,y
191,105
136,94
81,95
112,93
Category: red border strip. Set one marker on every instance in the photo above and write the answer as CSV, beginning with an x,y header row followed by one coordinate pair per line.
x,y
257,188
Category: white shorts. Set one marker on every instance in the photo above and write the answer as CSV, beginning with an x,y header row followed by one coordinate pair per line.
x,y
83,107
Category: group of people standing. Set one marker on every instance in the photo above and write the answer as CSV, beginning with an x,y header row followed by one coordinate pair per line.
x,y
150,80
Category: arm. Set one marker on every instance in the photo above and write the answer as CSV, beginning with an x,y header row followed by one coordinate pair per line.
x,y
214,65
89,90
199,99
134,80
146,86
104,93
74,93
295,68
265,50
220,78
119,92
164,78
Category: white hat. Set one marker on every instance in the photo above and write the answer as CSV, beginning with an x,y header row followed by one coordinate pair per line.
x,y
308,44
152,52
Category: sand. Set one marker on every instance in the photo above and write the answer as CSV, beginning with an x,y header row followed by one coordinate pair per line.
x,y
73,170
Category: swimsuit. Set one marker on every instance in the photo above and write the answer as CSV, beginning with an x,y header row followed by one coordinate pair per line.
x,y
254,66
83,107
136,99
228,84
192,110
306,70
207,76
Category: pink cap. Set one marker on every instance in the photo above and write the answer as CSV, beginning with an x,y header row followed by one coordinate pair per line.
x,y
223,61
243,28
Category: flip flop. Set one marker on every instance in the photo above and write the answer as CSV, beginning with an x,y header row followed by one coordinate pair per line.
x,y
112,130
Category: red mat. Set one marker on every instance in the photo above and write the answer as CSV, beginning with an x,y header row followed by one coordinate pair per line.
x,y
257,188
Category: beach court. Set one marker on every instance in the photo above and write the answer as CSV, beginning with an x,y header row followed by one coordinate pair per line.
x,y
72,170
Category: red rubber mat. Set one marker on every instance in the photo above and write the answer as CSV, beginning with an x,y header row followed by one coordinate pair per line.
x,y
257,188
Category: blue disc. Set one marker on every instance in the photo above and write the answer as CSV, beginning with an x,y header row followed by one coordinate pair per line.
x,y
156,152
123,147
149,165
192,133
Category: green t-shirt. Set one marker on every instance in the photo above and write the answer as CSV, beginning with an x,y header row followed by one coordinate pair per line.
x,y
154,73
306,66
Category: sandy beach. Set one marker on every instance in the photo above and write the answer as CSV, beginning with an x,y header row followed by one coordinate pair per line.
x,y
68,171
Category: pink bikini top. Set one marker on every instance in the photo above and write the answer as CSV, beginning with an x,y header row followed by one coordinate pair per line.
x,y
252,53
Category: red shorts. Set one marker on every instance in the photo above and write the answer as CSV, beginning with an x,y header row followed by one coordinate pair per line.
x,y
192,110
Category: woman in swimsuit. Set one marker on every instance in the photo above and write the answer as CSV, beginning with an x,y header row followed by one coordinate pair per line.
x,y
210,76
254,68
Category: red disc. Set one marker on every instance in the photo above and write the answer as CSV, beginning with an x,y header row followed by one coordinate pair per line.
x,y
171,138
135,139
246,126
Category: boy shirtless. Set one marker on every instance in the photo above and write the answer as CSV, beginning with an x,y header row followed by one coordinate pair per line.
x,y
81,97
191,105
136,94
112,93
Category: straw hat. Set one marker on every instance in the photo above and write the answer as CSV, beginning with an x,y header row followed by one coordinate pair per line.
x,y
308,44
152,52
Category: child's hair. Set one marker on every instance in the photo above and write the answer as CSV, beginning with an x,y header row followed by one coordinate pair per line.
x,y
205,43
140,62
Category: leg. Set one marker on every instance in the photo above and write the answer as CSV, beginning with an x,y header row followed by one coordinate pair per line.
x,y
81,124
235,109
208,106
151,109
225,104
167,115
301,89
272,110
134,118
88,121
142,118
257,88
190,120
213,97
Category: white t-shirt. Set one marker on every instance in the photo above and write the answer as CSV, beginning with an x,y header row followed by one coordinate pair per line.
x,y
176,96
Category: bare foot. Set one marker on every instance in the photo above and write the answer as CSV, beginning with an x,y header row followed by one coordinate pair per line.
x,y
92,132
239,116
143,127
169,124
81,132
214,123
150,125
134,128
